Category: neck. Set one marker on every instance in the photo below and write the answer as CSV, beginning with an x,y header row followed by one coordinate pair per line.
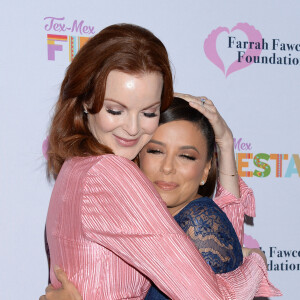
x,y
175,210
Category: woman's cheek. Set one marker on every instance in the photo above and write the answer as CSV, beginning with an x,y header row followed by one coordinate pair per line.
x,y
193,171
107,123
146,164
151,125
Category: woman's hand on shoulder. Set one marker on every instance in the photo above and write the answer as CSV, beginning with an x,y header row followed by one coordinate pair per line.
x,y
67,291
223,134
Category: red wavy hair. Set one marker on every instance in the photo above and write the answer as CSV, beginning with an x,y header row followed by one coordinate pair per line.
x,y
124,47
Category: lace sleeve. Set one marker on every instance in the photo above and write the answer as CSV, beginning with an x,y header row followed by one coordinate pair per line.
x,y
212,233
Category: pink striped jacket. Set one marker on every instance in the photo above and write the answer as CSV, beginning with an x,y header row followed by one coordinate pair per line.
x,y
108,228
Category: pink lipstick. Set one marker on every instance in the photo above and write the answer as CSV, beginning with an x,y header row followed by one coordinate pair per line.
x,y
126,142
166,186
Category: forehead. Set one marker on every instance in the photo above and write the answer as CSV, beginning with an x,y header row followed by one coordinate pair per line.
x,y
180,133
134,90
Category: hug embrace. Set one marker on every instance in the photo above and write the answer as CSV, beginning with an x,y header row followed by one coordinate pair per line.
x,y
131,214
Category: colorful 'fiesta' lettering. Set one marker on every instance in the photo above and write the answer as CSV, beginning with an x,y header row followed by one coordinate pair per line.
x,y
263,162
75,43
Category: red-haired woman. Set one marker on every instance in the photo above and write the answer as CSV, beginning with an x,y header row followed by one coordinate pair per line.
x,y
107,226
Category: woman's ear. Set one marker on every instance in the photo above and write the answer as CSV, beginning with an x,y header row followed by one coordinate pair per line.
x,y
205,173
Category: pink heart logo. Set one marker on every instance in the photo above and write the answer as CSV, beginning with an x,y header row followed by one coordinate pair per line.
x,y
210,48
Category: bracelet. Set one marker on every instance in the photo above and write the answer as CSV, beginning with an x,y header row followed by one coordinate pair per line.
x,y
236,173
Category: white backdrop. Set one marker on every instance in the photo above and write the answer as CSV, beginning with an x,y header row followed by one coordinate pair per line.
x,y
204,38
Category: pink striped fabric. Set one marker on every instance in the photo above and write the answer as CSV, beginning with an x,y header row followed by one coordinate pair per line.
x,y
109,230
236,208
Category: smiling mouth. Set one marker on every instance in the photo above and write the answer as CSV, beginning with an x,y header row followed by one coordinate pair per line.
x,y
166,186
126,142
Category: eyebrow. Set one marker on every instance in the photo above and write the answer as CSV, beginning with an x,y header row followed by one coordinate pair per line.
x,y
113,100
188,147
156,142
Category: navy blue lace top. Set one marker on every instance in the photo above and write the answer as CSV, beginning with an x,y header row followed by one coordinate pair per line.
x,y
212,233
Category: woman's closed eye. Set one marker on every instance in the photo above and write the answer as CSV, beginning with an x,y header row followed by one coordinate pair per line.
x,y
114,112
154,151
119,112
150,114
188,157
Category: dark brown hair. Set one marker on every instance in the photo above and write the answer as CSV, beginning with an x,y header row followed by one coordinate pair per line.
x,y
124,47
181,110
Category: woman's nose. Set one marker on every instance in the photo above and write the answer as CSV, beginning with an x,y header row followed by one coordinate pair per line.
x,y
132,126
167,165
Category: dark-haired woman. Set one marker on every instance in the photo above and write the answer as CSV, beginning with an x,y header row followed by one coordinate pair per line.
x,y
107,226
179,160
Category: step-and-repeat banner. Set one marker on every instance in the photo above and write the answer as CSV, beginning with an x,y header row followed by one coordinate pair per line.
x,y
244,55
